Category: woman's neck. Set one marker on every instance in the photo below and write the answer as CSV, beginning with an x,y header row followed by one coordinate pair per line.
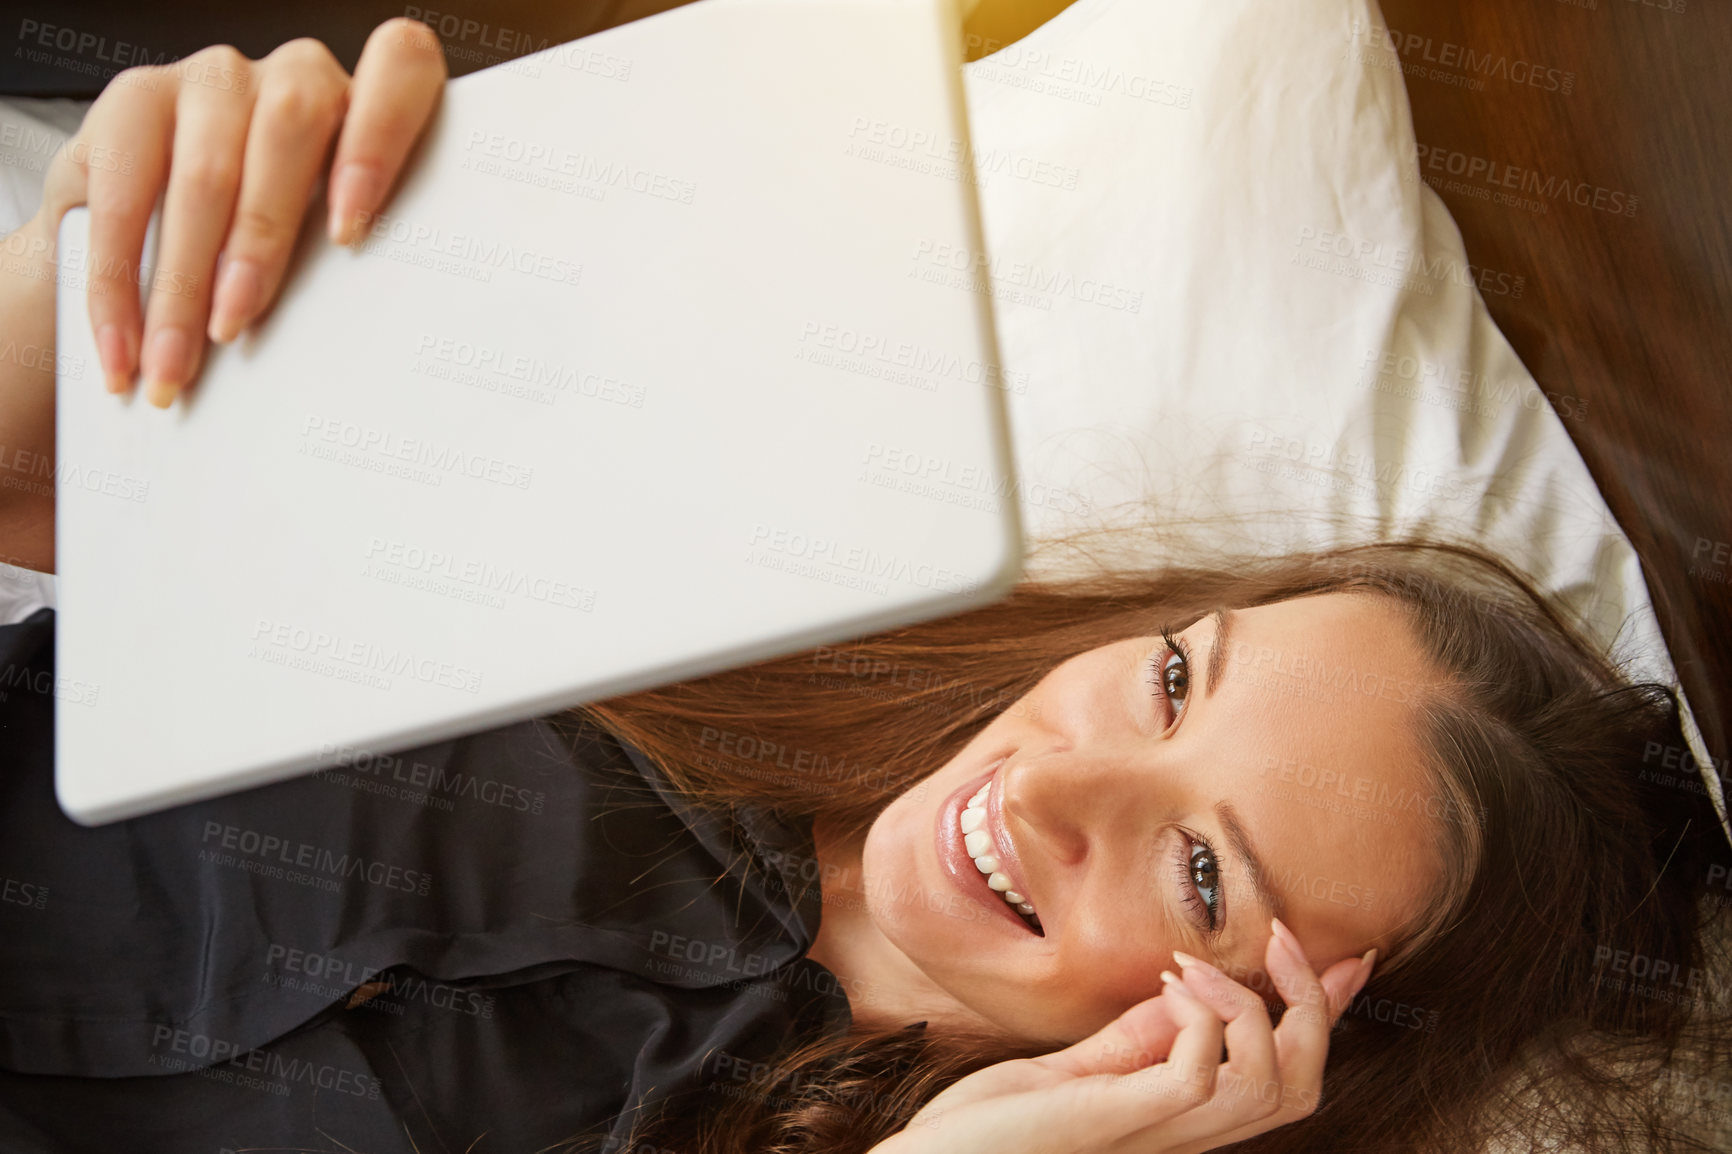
x,y
884,987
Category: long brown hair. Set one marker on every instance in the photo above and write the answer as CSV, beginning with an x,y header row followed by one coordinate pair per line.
x,y
1559,987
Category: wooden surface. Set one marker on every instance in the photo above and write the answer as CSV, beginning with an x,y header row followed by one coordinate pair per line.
x,y
1624,313
1631,314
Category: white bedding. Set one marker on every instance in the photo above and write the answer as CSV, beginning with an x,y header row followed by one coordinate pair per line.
x,y
1220,286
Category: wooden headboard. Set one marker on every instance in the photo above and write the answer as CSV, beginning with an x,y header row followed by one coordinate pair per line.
x,y
1628,315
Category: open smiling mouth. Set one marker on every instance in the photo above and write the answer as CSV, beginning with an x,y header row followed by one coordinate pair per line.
x,y
977,840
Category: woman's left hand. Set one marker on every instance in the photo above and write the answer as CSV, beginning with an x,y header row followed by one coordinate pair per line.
x,y
1152,1081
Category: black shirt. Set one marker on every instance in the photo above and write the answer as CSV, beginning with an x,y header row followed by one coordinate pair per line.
x,y
550,934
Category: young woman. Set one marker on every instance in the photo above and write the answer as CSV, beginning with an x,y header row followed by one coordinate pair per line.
x,y
1112,865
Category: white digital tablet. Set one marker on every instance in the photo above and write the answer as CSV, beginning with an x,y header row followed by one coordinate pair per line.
x,y
641,375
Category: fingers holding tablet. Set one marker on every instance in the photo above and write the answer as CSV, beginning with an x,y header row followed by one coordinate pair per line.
x,y
234,147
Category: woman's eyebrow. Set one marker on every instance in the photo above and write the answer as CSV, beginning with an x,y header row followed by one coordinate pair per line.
x,y
1218,650
1253,865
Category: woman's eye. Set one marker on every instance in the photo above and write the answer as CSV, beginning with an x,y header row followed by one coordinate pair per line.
x,y
1205,876
1176,680
1170,674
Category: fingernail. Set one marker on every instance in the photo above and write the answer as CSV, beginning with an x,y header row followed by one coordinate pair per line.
x,y
167,362
1176,985
1188,963
239,287
1364,973
353,187
116,355
1289,941
169,355
1355,983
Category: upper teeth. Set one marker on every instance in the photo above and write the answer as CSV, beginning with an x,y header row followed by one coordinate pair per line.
x,y
985,855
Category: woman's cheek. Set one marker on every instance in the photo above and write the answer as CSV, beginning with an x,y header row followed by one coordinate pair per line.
x,y
1111,965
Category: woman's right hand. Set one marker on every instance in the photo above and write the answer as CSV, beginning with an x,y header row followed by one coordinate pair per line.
x,y
239,145
1153,1081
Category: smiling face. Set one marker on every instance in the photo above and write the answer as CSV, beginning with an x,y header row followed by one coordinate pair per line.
x,y
1135,799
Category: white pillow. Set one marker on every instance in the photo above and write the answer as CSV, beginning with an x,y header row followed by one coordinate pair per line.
x,y
1221,287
